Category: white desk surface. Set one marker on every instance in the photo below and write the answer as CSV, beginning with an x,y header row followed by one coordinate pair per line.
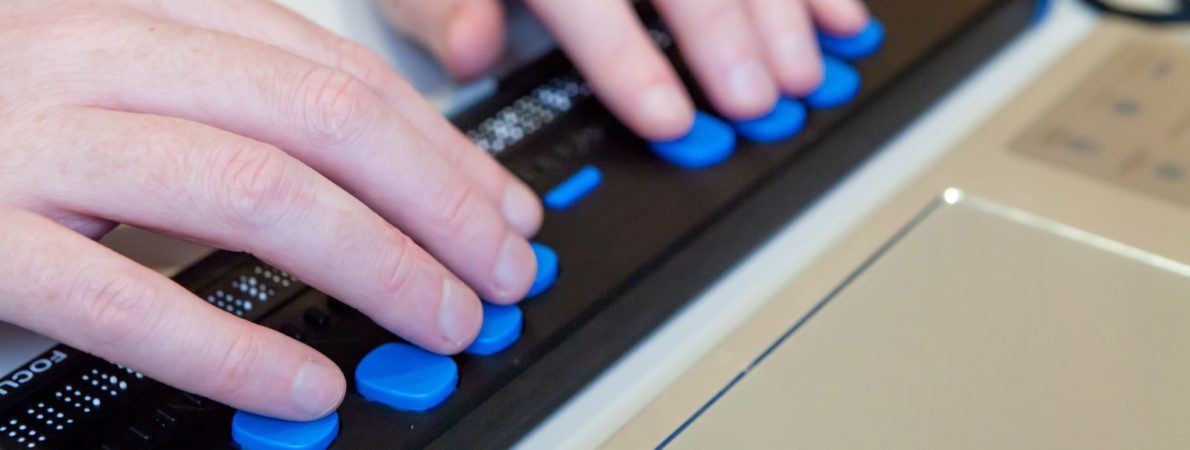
x,y
639,376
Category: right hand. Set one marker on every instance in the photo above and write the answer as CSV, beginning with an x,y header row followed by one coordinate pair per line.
x,y
744,53
241,125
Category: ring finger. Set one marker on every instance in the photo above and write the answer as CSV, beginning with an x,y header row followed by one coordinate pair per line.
x,y
206,184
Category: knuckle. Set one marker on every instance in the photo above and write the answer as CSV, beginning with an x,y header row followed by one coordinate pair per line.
x,y
114,311
355,58
260,188
720,14
237,363
334,105
456,209
397,271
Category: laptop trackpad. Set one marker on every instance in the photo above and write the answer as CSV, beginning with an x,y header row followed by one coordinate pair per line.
x,y
979,327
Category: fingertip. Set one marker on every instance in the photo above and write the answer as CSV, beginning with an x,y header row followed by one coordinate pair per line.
x,y
751,91
798,64
460,316
474,38
665,113
318,388
513,272
522,208
841,18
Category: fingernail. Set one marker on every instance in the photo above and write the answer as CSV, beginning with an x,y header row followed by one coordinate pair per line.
x,y
457,313
521,208
469,52
751,87
514,267
317,388
668,108
800,63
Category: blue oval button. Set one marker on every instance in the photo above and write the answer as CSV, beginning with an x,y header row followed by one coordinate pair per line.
x,y
547,269
406,377
855,47
709,142
786,120
254,432
501,327
840,84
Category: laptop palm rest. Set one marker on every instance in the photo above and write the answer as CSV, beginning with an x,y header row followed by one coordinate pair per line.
x,y
978,326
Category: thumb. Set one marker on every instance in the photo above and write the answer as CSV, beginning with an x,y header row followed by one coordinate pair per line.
x,y
465,35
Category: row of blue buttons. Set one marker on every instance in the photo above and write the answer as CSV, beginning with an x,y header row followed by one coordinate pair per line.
x,y
411,379
408,378
710,142
401,376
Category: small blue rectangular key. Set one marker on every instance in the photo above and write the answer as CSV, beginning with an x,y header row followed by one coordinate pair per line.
x,y
574,188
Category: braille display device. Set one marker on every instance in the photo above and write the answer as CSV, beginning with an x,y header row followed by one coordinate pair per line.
x,y
633,231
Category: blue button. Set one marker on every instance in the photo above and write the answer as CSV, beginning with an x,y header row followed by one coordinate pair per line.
x,y
547,269
855,47
501,327
253,432
709,142
574,188
785,121
840,84
406,377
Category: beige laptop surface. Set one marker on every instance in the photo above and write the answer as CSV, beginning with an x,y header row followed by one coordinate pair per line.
x,y
1031,290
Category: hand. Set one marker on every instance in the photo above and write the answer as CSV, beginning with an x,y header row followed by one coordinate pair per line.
x,y
743,52
238,124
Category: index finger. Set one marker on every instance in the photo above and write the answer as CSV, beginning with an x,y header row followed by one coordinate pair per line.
x,y
607,42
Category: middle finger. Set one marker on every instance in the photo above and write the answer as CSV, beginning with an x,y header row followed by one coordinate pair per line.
x,y
717,40
332,122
